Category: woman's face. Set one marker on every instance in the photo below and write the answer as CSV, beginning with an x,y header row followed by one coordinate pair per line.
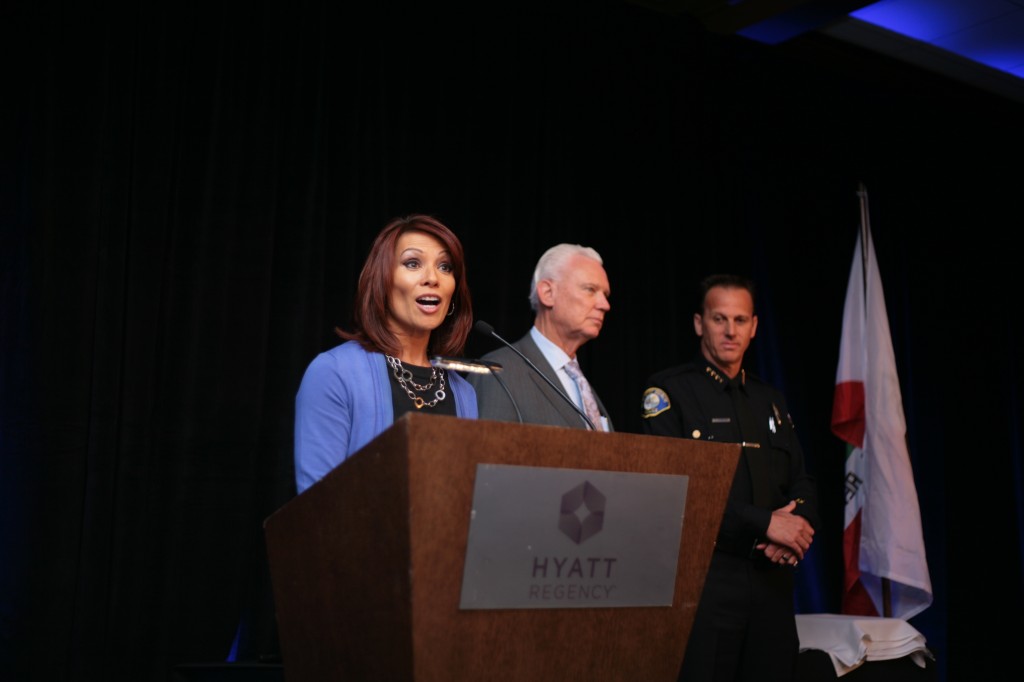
x,y
424,281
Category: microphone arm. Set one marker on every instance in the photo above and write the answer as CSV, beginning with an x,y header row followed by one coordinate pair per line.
x,y
477,366
488,330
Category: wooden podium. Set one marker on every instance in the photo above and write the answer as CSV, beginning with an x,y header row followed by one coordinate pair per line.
x,y
367,564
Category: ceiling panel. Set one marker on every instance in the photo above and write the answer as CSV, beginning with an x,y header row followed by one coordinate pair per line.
x,y
990,32
980,42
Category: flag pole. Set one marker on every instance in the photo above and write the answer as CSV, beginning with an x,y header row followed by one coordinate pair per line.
x,y
865,235
865,240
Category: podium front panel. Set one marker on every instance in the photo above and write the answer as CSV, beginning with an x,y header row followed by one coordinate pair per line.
x,y
367,564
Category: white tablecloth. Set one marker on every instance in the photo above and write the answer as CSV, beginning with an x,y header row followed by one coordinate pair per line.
x,y
850,641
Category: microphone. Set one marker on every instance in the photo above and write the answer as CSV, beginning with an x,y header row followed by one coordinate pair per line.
x,y
473,366
487,330
476,366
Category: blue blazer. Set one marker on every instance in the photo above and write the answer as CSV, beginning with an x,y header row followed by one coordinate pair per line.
x,y
344,402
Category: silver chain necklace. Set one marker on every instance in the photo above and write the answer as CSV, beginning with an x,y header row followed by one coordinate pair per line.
x,y
405,380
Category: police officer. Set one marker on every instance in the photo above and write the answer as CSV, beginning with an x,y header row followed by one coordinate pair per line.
x,y
744,628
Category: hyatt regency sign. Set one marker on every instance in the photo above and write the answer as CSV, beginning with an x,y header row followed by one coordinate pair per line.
x,y
545,538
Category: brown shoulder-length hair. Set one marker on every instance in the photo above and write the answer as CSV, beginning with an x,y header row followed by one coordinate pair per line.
x,y
370,312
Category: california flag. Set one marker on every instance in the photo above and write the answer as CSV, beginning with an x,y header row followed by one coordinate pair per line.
x,y
882,540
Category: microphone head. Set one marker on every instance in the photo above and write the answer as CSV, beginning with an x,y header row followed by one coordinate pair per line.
x,y
483,328
471,365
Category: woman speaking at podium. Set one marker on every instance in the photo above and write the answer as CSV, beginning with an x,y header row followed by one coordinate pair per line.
x,y
412,303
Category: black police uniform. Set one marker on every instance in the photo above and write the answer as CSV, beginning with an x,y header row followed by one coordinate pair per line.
x,y
744,628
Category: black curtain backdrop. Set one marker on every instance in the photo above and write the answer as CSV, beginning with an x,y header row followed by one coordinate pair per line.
x,y
189,190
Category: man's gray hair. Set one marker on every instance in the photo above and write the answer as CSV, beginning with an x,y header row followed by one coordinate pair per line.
x,y
552,263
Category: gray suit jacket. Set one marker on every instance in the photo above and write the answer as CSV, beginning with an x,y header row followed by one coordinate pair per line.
x,y
537,401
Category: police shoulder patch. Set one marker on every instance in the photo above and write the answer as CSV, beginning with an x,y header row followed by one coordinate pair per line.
x,y
655,402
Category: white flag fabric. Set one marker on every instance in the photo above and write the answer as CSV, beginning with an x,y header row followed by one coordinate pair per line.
x,y
882,538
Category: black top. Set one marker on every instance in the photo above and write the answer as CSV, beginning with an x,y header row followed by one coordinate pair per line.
x,y
695,401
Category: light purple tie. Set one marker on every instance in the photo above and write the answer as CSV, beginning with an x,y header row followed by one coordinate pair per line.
x,y
572,368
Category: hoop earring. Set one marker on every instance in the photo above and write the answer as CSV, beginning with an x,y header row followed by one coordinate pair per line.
x,y
451,310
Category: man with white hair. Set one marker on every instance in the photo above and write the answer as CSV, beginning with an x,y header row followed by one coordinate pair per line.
x,y
569,295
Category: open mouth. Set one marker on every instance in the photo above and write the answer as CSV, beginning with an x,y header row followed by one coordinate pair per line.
x,y
429,303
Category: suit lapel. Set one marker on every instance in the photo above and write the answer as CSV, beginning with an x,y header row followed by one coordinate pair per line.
x,y
530,350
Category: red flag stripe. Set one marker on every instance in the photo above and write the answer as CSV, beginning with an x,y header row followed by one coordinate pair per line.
x,y
848,412
856,600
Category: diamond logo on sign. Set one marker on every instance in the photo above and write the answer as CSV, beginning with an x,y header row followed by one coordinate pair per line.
x,y
581,525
